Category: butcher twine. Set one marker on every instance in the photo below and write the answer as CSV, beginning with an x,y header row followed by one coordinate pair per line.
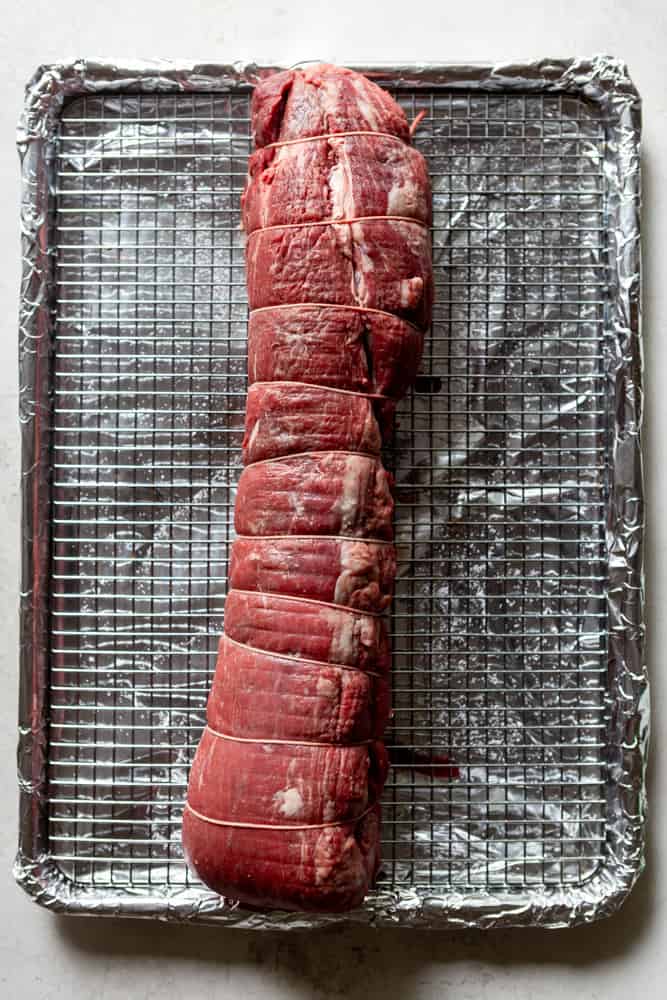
x,y
300,659
282,826
319,453
305,600
275,826
338,305
340,222
337,135
342,538
289,743
324,388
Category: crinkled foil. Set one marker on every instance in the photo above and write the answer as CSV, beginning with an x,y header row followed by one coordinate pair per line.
x,y
619,719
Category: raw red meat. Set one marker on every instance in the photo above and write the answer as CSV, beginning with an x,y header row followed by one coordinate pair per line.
x,y
293,626
340,177
271,783
319,493
262,695
322,99
326,868
287,417
375,263
282,799
356,573
341,347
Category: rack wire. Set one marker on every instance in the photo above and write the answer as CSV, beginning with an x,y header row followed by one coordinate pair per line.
x,y
500,454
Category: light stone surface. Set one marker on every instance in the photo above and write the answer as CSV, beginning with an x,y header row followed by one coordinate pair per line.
x,y
43,957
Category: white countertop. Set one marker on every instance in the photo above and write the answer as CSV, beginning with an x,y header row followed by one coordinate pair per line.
x,y
43,956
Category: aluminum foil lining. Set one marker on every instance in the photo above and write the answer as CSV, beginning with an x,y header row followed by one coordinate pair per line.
x,y
520,724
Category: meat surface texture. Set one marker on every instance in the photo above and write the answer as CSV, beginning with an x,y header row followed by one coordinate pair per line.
x,y
282,807
325,868
336,178
314,630
260,694
355,573
375,263
318,493
287,417
322,100
276,783
343,348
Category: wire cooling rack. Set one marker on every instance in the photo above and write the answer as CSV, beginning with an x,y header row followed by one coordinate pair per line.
x,y
500,454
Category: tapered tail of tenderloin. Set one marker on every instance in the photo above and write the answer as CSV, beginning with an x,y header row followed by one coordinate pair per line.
x,y
282,807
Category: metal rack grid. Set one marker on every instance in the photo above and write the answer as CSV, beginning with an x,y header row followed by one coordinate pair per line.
x,y
500,454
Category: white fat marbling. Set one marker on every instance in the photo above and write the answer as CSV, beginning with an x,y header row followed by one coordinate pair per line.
x,y
350,493
327,688
289,802
342,648
341,187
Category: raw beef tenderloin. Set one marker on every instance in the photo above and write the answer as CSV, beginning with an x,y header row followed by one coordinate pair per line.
x,y
284,418
375,263
341,347
271,782
321,100
325,868
312,629
263,695
342,177
282,800
353,572
318,493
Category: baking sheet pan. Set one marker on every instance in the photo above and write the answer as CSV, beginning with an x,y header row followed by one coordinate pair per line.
x,y
520,726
